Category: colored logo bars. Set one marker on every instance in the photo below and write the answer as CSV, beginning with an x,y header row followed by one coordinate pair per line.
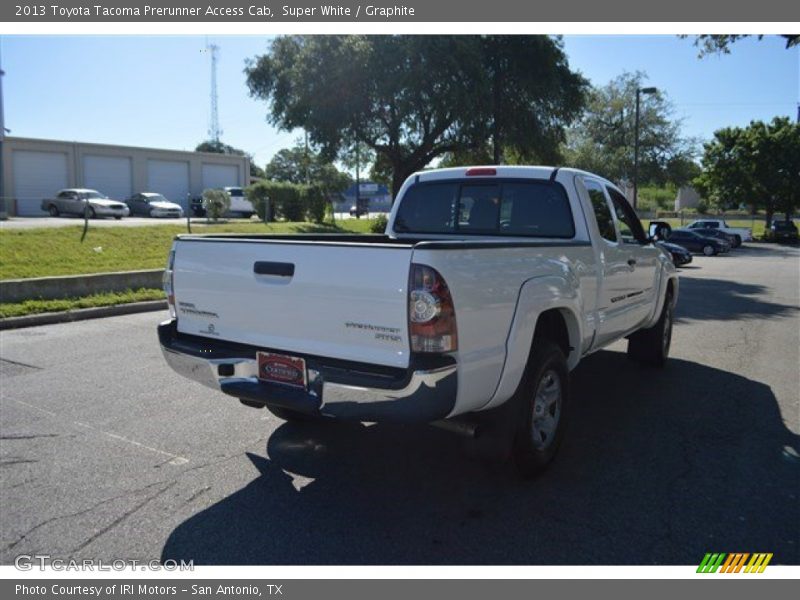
x,y
734,562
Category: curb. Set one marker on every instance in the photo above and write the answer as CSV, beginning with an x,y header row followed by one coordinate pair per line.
x,y
82,314
75,286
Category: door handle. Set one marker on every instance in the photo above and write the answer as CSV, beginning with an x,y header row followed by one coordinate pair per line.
x,y
632,262
279,269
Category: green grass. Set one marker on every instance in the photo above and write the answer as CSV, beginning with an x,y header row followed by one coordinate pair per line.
x,y
31,307
52,251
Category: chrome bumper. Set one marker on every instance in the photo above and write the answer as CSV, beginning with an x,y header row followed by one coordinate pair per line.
x,y
421,395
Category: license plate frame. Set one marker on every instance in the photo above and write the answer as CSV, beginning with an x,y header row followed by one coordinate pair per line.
x,y
282,369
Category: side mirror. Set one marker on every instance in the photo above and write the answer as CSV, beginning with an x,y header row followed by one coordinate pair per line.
x,y
659,230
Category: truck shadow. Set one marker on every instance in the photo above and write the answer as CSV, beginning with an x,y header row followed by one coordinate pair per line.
x,y
659,467
722,299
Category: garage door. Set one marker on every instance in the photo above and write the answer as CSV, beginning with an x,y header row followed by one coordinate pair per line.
x,y
219,176
110,175
37,175
169,178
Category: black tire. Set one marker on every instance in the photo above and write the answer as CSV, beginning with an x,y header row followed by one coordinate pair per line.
x,y
118,218
542,393
292,416
709,250
650,347
737,241
53,210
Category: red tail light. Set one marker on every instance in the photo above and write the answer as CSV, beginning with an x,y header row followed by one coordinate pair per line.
x,y
481,172
431,315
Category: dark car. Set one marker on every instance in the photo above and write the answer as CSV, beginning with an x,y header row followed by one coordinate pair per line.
x,y
679,254
716,233
697,243
783,231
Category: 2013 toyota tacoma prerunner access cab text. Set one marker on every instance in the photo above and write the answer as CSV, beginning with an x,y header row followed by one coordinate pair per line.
x,y
488,287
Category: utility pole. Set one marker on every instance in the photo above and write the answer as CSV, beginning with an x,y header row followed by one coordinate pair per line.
x,y
214,131
639,91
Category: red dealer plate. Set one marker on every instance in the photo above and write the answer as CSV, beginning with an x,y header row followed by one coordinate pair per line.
x,y
279,368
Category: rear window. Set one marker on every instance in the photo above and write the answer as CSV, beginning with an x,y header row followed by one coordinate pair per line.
x,y
512,208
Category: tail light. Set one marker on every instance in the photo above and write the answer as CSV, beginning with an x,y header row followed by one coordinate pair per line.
x,y
169,288
431,315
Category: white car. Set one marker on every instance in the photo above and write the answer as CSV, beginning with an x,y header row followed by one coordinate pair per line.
x,y
77,201
489,286
151,204
239,204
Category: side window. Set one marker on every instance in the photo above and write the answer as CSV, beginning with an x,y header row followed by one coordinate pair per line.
x,y
630,228
602,212
712,224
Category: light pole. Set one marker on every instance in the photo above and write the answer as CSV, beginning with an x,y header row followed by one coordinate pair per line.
x,y
639,92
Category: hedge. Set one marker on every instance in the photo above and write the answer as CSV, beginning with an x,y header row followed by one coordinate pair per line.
x,y
287,201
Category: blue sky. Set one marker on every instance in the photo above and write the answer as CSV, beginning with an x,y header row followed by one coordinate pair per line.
x,y
154,90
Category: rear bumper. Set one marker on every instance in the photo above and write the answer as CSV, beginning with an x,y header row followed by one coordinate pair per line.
x,y
424,392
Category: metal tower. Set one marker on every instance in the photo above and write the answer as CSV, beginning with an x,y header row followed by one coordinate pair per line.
x,y
214,131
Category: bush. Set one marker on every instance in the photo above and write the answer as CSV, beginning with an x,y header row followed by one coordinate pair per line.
x,y
216,203
314,202
258,195
378,224
702,207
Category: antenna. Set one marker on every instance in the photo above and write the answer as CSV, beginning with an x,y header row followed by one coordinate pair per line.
x,y
214,131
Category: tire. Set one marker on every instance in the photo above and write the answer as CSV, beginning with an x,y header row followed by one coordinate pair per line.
x,y
543,398
118,218
92,213
650,347
709,250
737,241
53,210
292,416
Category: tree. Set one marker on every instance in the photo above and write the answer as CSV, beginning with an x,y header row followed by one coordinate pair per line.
x,y
720,44
757,165
295,165
603,141
412,99
218,147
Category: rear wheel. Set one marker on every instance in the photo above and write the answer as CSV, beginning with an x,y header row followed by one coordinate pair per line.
x,y
53,210
737,241
544,397
651,346
709,250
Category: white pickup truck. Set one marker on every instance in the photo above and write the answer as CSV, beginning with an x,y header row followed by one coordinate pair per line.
x,y
740,234
488,287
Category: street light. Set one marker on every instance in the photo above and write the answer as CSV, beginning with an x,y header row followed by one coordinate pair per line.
x,y
639,92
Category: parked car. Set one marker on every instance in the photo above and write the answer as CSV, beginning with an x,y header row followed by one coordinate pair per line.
x,y
740,233
730,238
783,231
678,254
150,204
239,204
74,201
697,243
196,206
488,287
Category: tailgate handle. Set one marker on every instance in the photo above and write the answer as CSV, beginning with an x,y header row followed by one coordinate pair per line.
x,y
263,267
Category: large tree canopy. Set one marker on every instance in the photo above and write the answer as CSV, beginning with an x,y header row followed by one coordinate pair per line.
x,y
757,165
721,44
412,99
603,141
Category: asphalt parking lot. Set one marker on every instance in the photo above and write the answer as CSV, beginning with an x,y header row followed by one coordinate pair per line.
x,y
105,453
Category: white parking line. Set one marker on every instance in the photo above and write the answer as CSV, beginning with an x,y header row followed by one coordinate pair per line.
x,y
174,458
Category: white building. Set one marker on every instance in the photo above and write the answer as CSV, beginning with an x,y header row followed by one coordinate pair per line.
x,y
34,169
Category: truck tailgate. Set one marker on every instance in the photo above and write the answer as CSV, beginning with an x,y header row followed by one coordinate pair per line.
x,y
343,301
